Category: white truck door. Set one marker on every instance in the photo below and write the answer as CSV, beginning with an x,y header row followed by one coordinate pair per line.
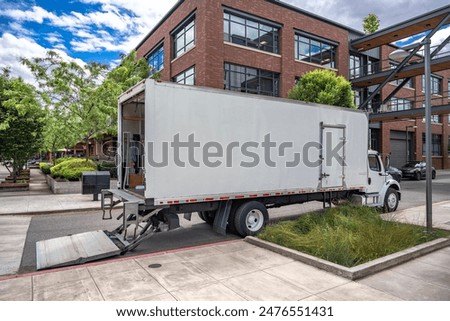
x,y
333,156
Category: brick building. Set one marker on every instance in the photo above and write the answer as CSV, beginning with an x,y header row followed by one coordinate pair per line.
x,y
264,46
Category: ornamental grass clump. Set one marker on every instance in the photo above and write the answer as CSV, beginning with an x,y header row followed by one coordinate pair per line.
x,y
347,235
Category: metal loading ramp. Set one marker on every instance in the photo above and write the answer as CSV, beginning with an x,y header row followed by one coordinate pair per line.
x,y
74,249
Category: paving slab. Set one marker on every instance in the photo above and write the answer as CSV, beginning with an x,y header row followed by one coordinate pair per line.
x,y
209,292
306,277
128,286
261,286
422,270
179,275
406,287
17,289
356,292
42,281
81,290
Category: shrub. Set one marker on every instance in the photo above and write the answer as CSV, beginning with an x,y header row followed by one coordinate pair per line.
x,y
62,159
109,167
347,235
72,168
45,168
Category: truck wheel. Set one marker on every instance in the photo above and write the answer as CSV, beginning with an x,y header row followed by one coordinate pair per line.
x,y
433,175
207,216
418,176
250,218
390,200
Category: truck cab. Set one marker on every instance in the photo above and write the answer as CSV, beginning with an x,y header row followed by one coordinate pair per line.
x,y
382,189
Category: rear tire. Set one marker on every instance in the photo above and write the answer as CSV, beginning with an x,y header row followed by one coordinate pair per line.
x,y
433,175
207,216
390,200
250,218
418,176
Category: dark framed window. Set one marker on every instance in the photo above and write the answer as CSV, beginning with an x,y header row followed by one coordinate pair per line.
x,y
435,84
156,59
448,89
448,146
355,66
184,37
250,32
315,50
400,104
187,77
436,143
397,82
251,80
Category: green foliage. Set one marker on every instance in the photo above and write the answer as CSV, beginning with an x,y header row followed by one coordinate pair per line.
x,y
21,122
72,168
347,235
371,23
323,86
45,168
109,167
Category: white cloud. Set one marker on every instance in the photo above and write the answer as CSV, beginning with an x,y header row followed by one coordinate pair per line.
x,y
13,48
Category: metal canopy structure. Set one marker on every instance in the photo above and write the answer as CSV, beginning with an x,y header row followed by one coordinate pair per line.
x,y
402,30
408,67
408,114
412,70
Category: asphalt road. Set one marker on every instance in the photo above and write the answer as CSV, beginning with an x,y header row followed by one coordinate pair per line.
x,y
195,232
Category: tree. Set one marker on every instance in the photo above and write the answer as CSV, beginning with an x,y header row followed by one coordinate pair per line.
x,y
127,74
323,86
21,123
371,23
82,99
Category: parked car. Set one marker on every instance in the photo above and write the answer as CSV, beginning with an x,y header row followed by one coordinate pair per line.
x,y
416,170
395,173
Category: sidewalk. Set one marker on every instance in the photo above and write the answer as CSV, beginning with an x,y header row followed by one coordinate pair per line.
x,y
233,271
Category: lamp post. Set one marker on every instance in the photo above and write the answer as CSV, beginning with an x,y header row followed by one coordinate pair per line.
x,y
407,141
402,54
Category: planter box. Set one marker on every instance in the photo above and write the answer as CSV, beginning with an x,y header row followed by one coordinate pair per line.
x,y
14,187
63,187
66,187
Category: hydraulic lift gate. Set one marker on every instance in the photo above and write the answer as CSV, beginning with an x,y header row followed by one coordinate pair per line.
x,y
74,249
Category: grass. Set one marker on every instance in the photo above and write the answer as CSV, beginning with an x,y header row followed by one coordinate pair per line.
x,y
347,235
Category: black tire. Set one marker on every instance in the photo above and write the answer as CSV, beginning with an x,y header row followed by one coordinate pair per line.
x,y
391,200
418,176
433,174
207,216
250,218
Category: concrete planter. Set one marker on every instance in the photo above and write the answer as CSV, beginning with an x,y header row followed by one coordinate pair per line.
x,y
63,187
14,187
66,187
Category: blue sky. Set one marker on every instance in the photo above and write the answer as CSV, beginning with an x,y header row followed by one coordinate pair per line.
x,y
101,30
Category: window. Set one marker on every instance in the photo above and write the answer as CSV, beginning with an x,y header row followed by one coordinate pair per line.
x,y
156,59
184,37
435,85
448,89
448,146
251,80
187,77
400,104
436,141
251,32
316,51
397,82
355,66
374,163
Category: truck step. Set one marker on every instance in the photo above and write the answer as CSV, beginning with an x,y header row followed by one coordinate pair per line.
x,y
74,249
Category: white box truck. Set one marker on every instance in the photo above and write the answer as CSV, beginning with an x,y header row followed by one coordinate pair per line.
x,y
230,156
